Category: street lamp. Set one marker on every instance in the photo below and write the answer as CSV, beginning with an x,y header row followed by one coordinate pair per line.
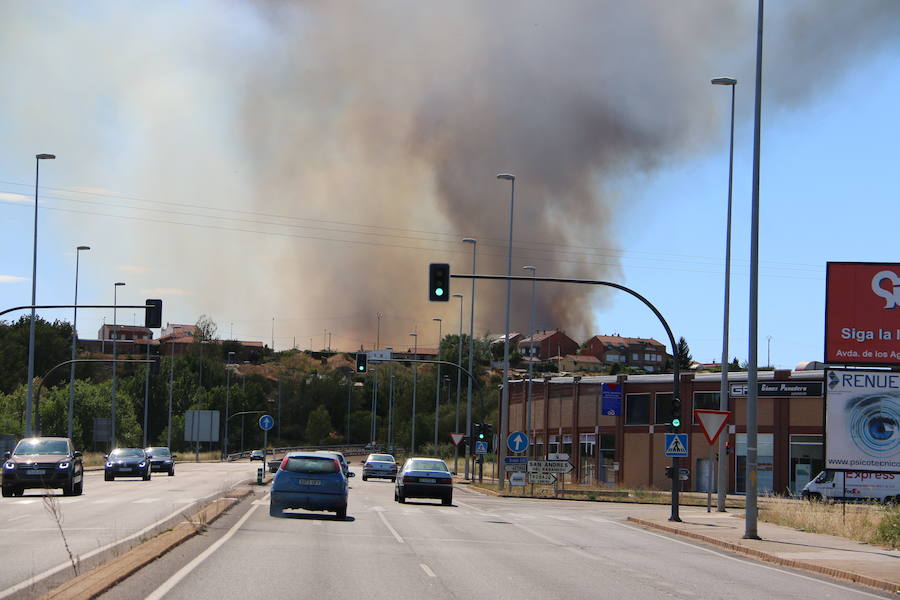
x,y
115,336
504,402
458,384
412,440
37,172
202,343
722,474
528,417
227,399
74,344
474,243
437,388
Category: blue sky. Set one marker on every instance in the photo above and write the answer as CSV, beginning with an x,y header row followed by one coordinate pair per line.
x,y
149,145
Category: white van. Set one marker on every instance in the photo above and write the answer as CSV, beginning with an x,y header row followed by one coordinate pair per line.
x,y
853,485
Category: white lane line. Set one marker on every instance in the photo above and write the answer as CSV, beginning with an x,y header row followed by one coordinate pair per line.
x,y
428,571
745,561
573,549
172,581
392,530
67,565
146,501
470,507
24,501
17,518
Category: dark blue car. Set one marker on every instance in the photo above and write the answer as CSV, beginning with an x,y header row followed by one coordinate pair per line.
x,y
127,462
310,481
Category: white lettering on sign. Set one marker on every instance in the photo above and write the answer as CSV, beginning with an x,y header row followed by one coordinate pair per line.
x,y
892,296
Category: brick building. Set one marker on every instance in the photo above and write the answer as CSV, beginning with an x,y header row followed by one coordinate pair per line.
x,y
639,353
547,344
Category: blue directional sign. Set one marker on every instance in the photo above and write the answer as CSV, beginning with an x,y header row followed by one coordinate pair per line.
x,y
480,447
517,441
676,445
266,422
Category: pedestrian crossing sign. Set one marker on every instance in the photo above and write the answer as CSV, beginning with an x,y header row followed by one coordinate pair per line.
x,y
676,444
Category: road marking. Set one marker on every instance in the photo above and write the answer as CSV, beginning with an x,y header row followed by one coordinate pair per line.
x,y
428,571
388,525
24,501
573,549
746,561
469,506
17,518
172,581
145,501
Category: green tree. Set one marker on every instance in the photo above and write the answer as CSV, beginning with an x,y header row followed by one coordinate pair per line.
x,y
683,354
52,343
318,426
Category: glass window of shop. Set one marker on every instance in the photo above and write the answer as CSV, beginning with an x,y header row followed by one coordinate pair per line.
x,y
607,452
704,401
663,408
765,461
637,409
807,460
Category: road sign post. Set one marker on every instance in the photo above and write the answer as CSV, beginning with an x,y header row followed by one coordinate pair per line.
x,y
266,422
712,422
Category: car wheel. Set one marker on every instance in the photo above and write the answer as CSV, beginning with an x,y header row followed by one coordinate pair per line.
x,y
393,479
365,478
147,476
18,491
342,513
275,510
172,472
448,501
108,477
78,488
401,498
8,491
68,490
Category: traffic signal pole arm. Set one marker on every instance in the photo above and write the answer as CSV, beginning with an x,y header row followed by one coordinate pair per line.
x,y
675,395
29,307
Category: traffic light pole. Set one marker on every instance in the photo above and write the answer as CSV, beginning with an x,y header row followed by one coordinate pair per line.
x,y
676,482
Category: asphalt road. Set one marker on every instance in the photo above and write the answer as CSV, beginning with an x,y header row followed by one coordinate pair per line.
x,y
481,547
96,523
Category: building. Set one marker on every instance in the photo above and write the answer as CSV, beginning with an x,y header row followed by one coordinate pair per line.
x,y
132,339
639,353
627,447
547,344
574,363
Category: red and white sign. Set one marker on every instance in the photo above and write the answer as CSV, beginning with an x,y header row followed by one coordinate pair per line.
x,y
712,422
456,438
862,313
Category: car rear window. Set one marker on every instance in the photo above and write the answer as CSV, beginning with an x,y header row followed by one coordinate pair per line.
x,y
310,464
381,458
428,465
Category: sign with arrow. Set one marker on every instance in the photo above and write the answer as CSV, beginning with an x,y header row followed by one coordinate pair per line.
x,y
456,438
676,444
712,422
517,442
549,466
542,478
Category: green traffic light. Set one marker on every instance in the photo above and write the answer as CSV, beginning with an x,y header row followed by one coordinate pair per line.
x,y
480,436
439,291
676,422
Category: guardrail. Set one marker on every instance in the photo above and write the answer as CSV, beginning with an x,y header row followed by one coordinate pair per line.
x,y
345,449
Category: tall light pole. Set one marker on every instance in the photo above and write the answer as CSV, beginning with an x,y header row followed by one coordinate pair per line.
x,y
722,475
171,392
750,512
74,345
390,405
227,400
202,343
437,389
412,439
528,416
458,383
37,172
769,351
474,243
115,336
504,402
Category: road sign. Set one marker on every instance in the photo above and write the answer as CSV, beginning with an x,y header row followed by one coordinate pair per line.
x,y
517,467
480,447
676,444
517,442
515,460
517,479
542,478
557,456
683,474
549,466
378,355
456,438
266,422
712,422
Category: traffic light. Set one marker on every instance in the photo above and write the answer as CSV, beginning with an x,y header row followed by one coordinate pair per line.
x,y
153,313
479,432
361,366
676,412
669,472
487,429
439,282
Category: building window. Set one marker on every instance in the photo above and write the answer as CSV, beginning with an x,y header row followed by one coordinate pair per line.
x,y
635,356
705,401
637,409
588,443
663,408
553,446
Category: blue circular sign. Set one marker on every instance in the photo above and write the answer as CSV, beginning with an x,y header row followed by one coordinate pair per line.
x,y
266,422
517,442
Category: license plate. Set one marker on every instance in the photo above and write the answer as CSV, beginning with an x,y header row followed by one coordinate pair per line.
x,y
427,480
35,472
310,482
123,469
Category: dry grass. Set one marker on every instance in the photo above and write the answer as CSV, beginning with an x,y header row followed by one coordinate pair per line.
x,y
95,459
870,523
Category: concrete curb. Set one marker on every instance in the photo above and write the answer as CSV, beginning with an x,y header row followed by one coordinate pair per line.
x,y
102,578
840,574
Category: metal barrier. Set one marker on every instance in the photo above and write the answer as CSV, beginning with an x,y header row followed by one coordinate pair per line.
x,y
345,449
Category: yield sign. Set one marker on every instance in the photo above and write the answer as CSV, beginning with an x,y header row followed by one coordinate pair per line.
x,y
712,422
456,438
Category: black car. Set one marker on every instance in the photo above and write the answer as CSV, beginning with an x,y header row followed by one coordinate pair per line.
x,y
161,459
424,478
43,462
127,462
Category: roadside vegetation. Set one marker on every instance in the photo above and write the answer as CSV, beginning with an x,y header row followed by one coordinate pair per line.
x,y
869,523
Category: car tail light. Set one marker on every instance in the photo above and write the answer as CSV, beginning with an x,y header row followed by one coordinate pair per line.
x,y
337,466
284,462
444,480
409,479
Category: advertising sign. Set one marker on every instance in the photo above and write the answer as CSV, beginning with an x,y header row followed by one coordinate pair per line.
x,y
862,421
779,389
862,313
611,403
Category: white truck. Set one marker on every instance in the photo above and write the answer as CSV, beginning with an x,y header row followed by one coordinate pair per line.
x,y
854,485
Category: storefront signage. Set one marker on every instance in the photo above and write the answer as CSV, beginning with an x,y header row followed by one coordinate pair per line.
x,y
862,313
779,389
611,399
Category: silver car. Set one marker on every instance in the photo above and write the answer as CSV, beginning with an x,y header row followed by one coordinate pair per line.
x,y
380,465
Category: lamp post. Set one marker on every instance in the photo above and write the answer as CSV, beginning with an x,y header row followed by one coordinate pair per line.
x,y
437,388
37,171
528,416
202,343
227,400
412,439
115,336
458,384
722,475
390,432
474,243
71,411
504,402
171,391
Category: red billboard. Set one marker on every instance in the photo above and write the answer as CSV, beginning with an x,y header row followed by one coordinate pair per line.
x,y
862,313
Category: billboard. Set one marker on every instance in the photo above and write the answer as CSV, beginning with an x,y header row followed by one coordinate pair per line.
x,y
862,421
201,426
862,313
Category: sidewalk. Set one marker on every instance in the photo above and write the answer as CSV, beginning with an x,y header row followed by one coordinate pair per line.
x,y
835,557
